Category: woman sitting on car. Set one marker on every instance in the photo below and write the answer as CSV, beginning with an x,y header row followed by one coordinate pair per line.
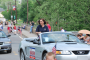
x,y
41,27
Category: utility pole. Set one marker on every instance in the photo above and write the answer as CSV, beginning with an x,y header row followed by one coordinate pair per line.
x,y
16,11
27,11
8,5
11,11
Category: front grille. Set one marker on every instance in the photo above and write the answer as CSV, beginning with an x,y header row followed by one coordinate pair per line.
x,y
80,52
1,43
2,48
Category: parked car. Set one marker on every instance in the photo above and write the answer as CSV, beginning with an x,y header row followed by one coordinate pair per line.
x,y
68,47
5,42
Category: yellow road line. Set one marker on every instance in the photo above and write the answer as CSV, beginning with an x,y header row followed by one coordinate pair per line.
x,y
15,53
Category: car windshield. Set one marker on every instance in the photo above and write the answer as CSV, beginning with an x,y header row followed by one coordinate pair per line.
x,y
59,37
2,35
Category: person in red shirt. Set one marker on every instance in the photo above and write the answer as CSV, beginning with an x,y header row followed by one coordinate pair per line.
x,y
21,31
8,28
48,25
14,29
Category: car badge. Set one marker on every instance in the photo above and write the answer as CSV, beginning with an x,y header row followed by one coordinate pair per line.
x,y
80,52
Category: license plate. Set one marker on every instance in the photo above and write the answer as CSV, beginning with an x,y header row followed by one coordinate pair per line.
x,y
82,58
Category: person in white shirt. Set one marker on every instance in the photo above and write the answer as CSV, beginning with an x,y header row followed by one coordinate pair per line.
x,y
0,25
87,39
62,30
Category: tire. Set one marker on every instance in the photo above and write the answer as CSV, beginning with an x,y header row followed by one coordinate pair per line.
x,y
9,51
22,56
44,56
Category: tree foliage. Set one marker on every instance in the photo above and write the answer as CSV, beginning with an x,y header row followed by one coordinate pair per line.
x,y
69,14
8,6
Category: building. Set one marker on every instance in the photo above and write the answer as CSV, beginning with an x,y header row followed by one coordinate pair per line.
x,y
1,10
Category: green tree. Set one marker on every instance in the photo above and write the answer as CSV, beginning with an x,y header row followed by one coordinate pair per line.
x,y
69,14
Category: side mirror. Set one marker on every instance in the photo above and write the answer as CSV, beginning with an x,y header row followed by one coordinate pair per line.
x,y
36,42
8,35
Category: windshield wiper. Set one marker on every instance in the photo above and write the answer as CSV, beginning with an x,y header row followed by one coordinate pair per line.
x,y
49,42
71,34
67,41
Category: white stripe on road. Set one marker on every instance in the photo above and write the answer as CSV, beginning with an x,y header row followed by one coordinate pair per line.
x,y
20,36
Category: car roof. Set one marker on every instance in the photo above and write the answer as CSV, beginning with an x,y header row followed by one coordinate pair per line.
x,y
3,32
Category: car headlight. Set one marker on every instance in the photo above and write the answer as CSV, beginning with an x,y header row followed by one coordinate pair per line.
x,y
63,52
7,42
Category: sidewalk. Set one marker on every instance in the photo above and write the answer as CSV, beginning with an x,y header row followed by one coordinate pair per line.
x,y
27,34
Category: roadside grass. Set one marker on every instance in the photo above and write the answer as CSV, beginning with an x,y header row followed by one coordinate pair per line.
x,y
19,22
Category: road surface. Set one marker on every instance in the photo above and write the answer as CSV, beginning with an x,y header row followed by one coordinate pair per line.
x,y
15,44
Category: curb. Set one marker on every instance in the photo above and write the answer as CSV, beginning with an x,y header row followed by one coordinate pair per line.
x,y
25,36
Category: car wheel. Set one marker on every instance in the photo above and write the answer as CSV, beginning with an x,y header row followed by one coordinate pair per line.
x,y
22,57
9,51
44,56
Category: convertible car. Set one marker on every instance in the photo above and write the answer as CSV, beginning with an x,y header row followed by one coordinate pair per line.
x,y
68,47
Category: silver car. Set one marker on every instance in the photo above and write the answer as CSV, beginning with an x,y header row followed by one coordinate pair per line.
x,y
68,47
5,43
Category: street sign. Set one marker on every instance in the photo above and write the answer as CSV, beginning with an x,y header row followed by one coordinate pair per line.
x,y
14,17
11,16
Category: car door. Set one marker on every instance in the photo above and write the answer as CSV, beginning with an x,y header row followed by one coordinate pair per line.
x,y
35,51
38,52
29,50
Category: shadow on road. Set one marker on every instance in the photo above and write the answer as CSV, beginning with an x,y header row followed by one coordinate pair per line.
x,y
1,52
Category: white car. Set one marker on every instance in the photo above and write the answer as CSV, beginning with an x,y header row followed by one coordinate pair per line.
x,y
68,47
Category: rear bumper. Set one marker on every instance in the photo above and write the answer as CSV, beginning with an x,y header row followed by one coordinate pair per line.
x,y
5,47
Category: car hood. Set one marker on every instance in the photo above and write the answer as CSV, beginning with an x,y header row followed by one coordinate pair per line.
x,y
4,39
69,46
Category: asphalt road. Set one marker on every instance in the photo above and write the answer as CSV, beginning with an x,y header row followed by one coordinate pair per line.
x,y
15,44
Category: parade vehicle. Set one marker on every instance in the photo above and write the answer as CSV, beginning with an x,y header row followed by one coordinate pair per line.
x,y
65,45
5,42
